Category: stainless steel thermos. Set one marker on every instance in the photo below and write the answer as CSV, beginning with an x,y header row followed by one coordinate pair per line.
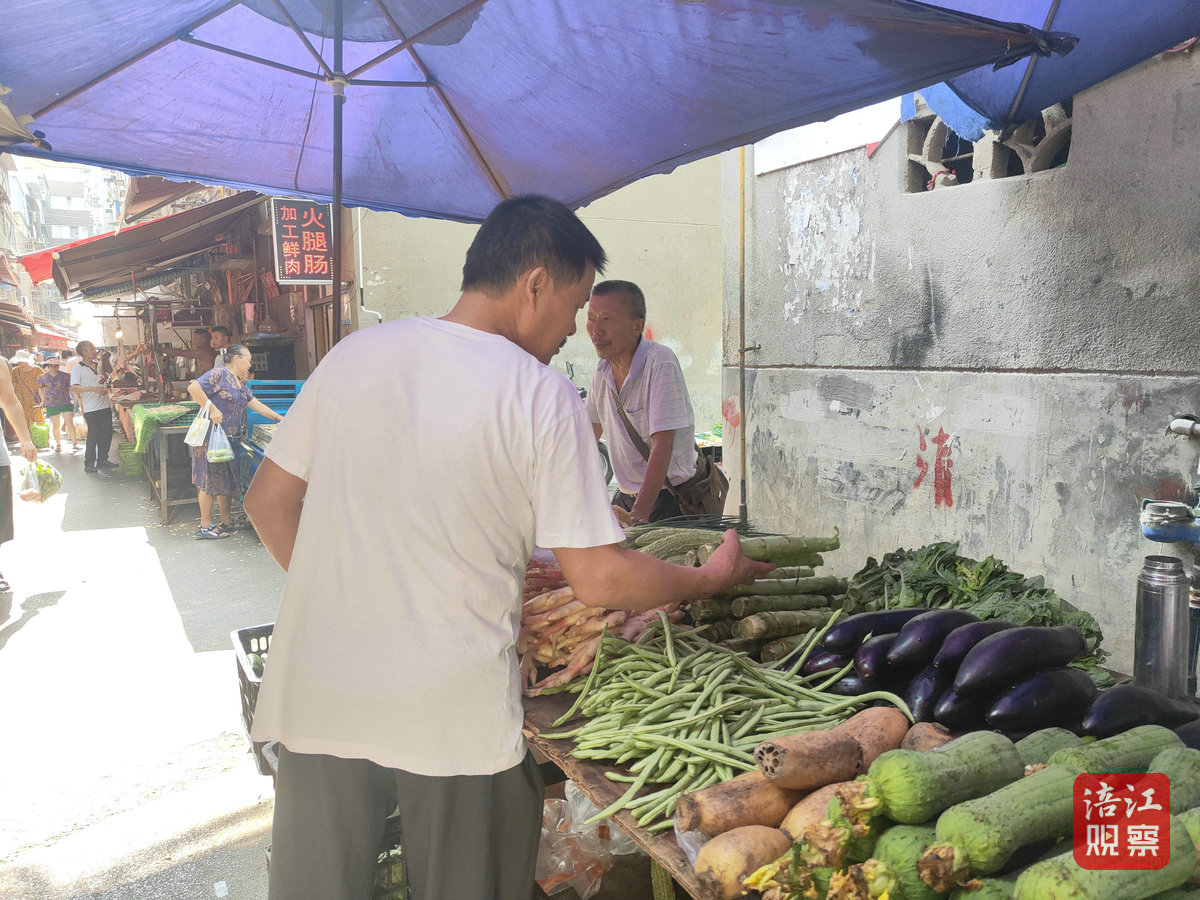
x,y
1160,643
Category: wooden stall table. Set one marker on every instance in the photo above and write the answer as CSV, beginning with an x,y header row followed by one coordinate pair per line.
x,y
169,487
588,776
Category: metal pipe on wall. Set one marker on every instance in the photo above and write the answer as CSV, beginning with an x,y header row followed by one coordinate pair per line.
x,y
743,514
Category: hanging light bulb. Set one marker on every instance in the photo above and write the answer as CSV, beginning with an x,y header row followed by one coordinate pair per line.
x,y
120,333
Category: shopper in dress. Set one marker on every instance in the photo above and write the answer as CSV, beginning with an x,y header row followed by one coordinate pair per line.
x,y
225,388
25,377
54,391
15,417
92,393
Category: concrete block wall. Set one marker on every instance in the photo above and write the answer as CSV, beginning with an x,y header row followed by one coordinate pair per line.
x,y
1036,331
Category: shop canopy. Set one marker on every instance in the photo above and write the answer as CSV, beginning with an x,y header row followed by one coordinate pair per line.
x,y
149,253
451,106
1113,35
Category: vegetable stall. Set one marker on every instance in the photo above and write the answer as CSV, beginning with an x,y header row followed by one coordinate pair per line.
x,y
912,731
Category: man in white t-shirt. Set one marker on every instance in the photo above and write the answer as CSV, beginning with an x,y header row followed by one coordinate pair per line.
x,y
92,394
643,380
393,676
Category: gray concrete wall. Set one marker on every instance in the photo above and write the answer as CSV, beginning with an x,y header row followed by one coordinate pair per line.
x,y
1044,324
662,232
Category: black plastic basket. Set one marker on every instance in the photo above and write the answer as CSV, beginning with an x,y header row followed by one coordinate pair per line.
x,y
247,641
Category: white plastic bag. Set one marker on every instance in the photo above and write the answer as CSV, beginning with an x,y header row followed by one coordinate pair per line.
x,y
219,448
39,482
580,809
31,490
199,428
567,858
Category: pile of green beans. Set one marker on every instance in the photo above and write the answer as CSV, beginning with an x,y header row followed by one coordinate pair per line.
x,y
686,713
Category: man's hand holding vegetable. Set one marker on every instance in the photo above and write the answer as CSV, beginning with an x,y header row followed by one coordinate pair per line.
x,y
615,577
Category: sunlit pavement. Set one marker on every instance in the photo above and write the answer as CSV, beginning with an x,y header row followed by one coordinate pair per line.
x,y
123,769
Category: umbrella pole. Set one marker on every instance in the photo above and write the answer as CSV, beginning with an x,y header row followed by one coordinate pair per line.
x,y
338,83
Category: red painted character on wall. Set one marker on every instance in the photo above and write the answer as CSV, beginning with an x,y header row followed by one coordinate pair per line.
x,y
942,464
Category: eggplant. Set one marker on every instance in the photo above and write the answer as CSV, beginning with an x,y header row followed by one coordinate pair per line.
x,y
925,689
847,636
962,712
921,637
824,661
871,659
1190,734
1129,705
1050,697
1002,659
852,684
958,642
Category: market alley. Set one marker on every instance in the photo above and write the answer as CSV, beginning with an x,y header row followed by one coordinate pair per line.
x,y
123,770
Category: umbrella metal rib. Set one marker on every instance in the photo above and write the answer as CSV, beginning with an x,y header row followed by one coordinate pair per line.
x,y
1020,95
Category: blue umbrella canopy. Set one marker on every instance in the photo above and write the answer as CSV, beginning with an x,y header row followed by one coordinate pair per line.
x,y
1113,35
451,106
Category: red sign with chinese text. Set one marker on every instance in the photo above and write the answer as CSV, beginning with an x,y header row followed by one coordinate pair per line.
x,y
303,240
1122,820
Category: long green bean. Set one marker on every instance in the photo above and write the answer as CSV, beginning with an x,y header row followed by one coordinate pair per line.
x,y
682,713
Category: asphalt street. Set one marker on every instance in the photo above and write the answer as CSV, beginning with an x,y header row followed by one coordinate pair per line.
x,y
124,772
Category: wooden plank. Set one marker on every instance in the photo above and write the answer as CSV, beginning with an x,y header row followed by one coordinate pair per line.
x,y
588,775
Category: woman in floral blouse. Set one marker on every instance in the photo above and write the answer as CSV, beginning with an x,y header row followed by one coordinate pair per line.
x,y
225,387
54,390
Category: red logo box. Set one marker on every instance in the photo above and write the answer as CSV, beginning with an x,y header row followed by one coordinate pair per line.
x,y
1122,820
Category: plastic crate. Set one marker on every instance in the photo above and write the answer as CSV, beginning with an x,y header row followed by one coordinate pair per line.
x,y
247,641
278,395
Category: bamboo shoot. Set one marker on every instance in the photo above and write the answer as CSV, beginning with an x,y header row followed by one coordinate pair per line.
x,y
748,606
780,624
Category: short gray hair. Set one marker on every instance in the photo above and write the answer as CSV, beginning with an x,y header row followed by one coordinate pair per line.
x,y
633,295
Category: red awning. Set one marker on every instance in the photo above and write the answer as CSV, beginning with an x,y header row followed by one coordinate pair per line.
x,y
40,265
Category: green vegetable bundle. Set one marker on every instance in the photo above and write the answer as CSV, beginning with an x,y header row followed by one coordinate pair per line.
x,y
936,576
39,482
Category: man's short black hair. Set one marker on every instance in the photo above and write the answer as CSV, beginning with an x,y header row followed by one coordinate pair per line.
x,y
633,295
523,233
223,330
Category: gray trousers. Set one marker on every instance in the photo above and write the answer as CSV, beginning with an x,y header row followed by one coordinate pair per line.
x,y
464,836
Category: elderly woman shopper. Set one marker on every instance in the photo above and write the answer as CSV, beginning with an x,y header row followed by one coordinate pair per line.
x,y
225,387
54,391
25,377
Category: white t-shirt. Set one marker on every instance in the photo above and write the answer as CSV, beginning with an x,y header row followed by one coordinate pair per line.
x,y
656,399
91,401
430,481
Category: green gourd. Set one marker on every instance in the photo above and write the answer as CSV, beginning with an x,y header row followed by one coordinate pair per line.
x,y
978,837
914,787
1182,766
1061,878
1041,745
1129,751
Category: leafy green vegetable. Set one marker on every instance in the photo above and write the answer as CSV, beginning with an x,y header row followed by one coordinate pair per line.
x,y
42,484
937,577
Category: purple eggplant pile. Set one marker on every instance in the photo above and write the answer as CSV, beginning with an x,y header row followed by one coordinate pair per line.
x,y
962,672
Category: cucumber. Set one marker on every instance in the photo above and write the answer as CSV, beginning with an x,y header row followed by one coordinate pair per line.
x,y
1061,878
1130,751
1038,747
898,849
978,837
1182,766
914,787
